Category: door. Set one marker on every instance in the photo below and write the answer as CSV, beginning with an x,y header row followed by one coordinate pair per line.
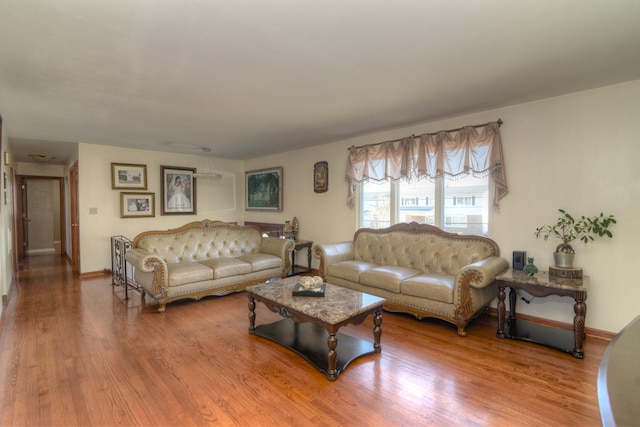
x,y
75,218
23,218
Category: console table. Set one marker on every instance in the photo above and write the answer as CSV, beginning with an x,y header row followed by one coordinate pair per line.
x,y
542,285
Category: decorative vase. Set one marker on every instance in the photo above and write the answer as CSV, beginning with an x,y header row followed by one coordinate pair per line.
x,y
530,269
295,226
563,260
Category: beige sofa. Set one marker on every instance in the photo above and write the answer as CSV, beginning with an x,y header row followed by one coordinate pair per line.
x,y
419,269
205,258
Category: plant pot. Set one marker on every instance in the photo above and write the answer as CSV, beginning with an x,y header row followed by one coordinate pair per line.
x,y
563,260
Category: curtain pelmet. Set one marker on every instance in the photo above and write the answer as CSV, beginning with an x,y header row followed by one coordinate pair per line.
x,y
475,150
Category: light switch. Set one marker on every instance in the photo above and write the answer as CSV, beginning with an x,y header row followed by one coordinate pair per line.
x,y
93,211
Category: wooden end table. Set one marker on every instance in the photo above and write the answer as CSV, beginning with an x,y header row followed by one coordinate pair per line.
x,y
310,325
542,285
295,269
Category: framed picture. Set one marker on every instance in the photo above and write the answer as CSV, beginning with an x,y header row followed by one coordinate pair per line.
x,y
137,205
178,190
126,176
321,177
263,189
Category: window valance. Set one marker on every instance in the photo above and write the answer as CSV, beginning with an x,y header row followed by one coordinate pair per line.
x,y
447,154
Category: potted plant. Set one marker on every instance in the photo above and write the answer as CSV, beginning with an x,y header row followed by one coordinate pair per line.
x,y
568,229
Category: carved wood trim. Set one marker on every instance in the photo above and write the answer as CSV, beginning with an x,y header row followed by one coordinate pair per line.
x,y
416,228
205,224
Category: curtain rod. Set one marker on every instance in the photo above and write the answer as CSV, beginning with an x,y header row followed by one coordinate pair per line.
x,y
499,121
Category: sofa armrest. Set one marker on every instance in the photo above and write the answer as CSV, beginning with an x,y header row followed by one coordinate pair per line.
x,y
143,260
484,271
281,248
331,253
148,262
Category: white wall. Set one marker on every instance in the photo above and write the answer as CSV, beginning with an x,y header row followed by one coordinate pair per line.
x,y
6,264
216,200
575,152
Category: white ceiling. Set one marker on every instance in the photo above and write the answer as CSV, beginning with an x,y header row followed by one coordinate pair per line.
x,y
251,77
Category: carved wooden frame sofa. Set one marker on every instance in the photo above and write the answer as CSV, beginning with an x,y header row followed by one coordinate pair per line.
x,y
419,269
205,258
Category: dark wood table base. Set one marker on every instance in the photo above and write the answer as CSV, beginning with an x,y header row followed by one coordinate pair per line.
x,y
329,353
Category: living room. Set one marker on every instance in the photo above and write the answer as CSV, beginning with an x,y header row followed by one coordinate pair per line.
x,y
572,150
553,161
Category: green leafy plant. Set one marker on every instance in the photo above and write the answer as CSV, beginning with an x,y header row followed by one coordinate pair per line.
x,y
568,229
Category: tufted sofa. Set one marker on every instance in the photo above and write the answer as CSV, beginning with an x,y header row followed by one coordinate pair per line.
x,y
419,269
205,258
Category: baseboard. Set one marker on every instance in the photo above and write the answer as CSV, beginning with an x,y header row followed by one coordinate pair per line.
x,y
46,251
590,332
91,274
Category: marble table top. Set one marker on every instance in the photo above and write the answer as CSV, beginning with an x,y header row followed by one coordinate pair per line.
x,y
544,279
338,304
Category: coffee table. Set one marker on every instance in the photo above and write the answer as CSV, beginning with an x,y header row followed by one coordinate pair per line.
x,y
310,325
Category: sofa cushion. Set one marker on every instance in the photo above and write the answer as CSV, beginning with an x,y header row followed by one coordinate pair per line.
x,y
187,272
349,270
387,277
226,266
437,287
259,261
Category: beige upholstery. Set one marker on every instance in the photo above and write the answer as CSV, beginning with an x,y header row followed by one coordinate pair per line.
x,y
205,258
419,269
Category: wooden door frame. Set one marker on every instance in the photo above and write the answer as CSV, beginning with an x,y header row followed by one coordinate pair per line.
x,y
19,199
74,217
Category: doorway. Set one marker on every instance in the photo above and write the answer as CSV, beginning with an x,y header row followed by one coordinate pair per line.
x,y
40,205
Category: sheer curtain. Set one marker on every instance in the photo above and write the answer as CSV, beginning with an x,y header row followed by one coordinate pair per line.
x,y
446,154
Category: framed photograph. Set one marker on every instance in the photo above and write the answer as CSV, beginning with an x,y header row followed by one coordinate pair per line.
x,y
178,190
137,205
126,176
263,189
321,177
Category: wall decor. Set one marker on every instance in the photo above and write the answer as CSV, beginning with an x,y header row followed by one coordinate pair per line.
x,y
137,205
125,176
263,189
321,177
178,190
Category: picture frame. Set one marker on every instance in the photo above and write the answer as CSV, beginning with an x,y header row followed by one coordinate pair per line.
x,y
127,176
137,205
263,190
178,190
321,177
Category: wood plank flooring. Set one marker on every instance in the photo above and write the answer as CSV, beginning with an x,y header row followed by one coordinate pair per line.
x,y
75,353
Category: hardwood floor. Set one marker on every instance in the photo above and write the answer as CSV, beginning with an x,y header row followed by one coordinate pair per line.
x,y
75,353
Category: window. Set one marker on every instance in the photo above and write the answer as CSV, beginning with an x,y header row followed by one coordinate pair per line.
x,y
375,205
457,206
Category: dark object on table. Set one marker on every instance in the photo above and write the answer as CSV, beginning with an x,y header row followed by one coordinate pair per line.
x,y
301,291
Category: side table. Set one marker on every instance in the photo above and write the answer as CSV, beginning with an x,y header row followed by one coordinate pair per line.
x,y
295,269
542,285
